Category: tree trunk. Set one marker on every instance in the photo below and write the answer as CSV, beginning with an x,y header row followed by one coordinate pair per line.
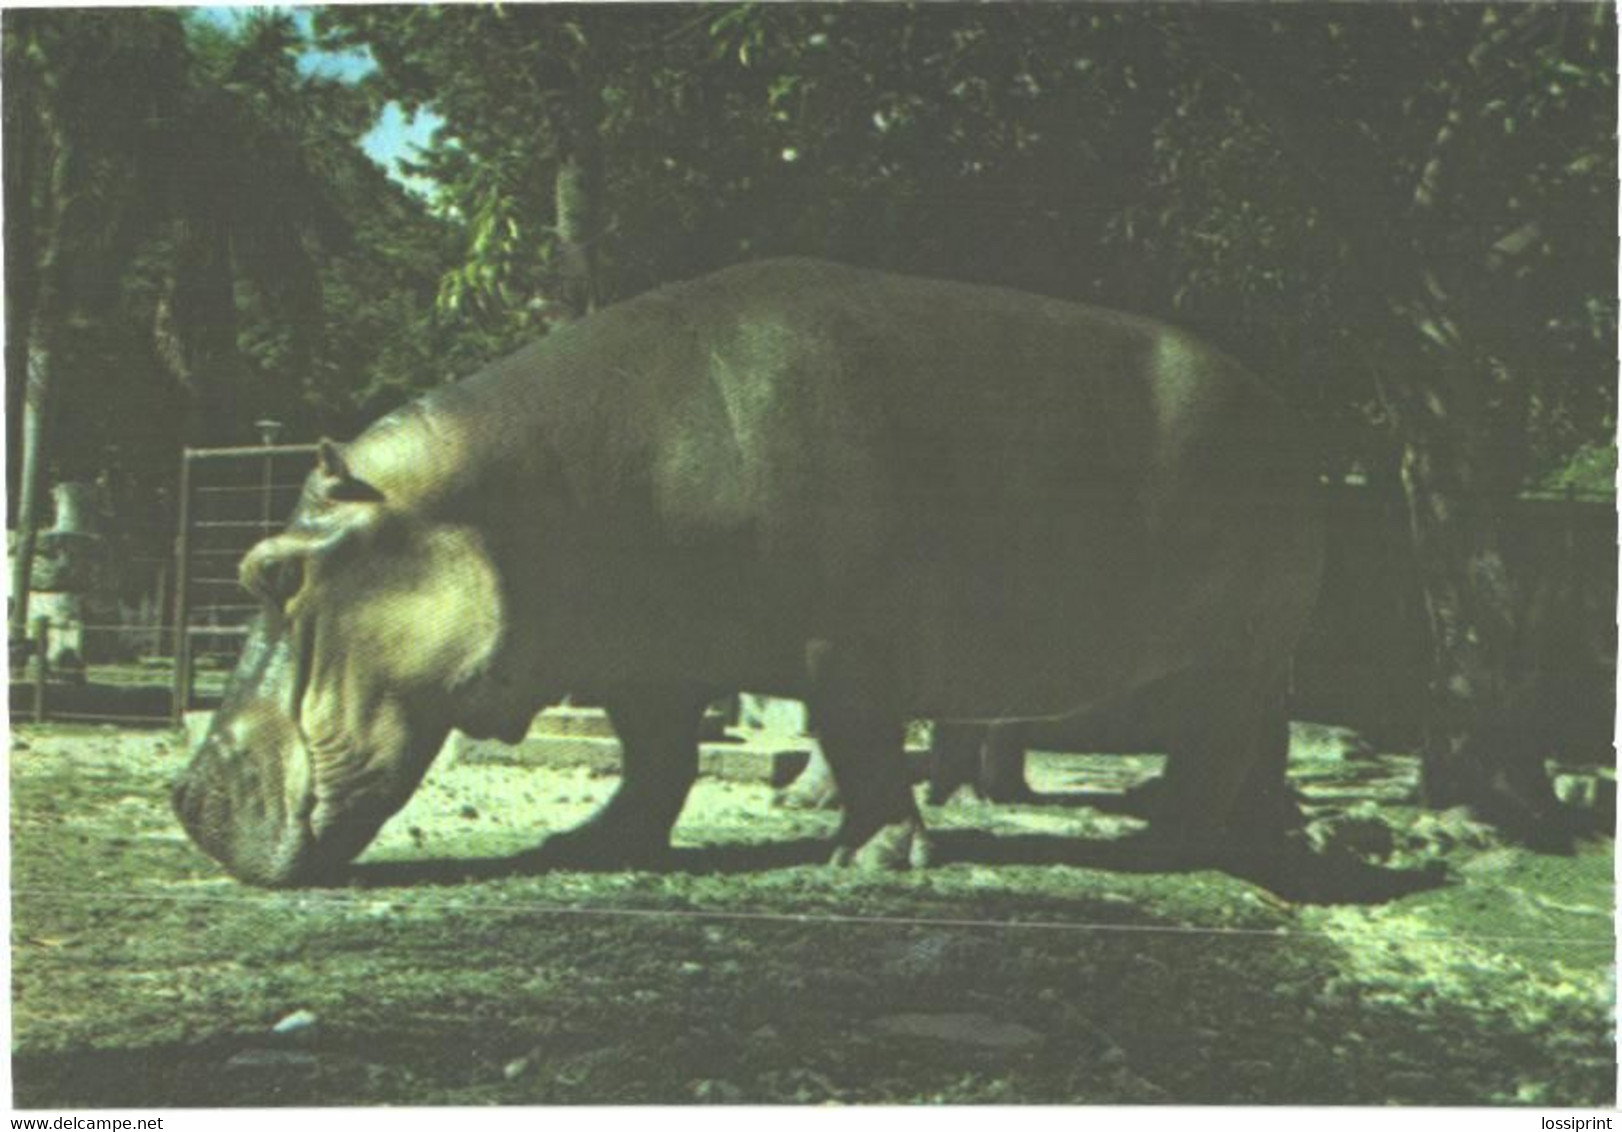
x,y
1458,416
577,187
56,312
43,338
21,276
31,489
1481,735
1462,426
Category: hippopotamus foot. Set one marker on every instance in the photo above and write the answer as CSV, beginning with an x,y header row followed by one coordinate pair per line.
x,y
813,789
899,845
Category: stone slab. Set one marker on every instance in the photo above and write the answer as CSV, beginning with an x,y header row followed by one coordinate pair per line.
x,y
573,722
589,722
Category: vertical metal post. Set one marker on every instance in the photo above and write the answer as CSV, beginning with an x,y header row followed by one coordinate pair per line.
x,y
269,431
42,665
31,489
264,500
158,618
182,691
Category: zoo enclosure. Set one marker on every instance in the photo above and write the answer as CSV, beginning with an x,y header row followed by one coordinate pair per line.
x,y
145,637
229,499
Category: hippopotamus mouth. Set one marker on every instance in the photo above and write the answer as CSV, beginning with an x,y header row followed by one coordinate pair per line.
x,y
274,804
246,797
236,803
233,802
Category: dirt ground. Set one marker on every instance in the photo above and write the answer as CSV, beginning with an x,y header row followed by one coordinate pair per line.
x,y
1042,962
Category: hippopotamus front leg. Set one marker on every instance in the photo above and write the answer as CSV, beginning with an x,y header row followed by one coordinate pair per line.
x,y
658,729
863,735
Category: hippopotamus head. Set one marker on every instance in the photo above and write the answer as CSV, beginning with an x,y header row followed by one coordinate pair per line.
x,y
377,620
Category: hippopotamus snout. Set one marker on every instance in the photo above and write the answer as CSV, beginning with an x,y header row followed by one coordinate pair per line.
x,y
232,803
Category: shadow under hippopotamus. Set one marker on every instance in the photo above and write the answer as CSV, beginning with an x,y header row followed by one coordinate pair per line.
x,y
1295,871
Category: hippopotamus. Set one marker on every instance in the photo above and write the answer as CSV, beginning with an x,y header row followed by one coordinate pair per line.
x,y
891,497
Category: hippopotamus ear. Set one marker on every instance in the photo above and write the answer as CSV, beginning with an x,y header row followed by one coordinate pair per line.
x,y
337,482
274,570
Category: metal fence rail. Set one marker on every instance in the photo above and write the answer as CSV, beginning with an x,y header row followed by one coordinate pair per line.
x,y
109,693
230,498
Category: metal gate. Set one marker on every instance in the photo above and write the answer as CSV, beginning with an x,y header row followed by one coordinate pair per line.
x,y
229,499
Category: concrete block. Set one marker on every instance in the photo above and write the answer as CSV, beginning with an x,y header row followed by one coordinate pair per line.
x,y
730,761
573,722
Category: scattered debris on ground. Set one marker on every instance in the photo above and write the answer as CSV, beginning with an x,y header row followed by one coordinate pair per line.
x,y
1045,961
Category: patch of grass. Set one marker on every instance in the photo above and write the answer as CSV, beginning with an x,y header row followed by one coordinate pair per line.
x,y
750,973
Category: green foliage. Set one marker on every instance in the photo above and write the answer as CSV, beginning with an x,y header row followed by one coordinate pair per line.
x,y
1128,155
1590,471
225,250
1099,152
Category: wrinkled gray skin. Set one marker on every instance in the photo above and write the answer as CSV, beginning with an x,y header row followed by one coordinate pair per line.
x,y
890,497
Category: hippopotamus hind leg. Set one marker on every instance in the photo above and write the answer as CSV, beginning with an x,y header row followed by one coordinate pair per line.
x,y
989,758
1224,793
1002,764
954,758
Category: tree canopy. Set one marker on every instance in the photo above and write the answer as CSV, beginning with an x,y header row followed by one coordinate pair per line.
x,y
1280,179
198,213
